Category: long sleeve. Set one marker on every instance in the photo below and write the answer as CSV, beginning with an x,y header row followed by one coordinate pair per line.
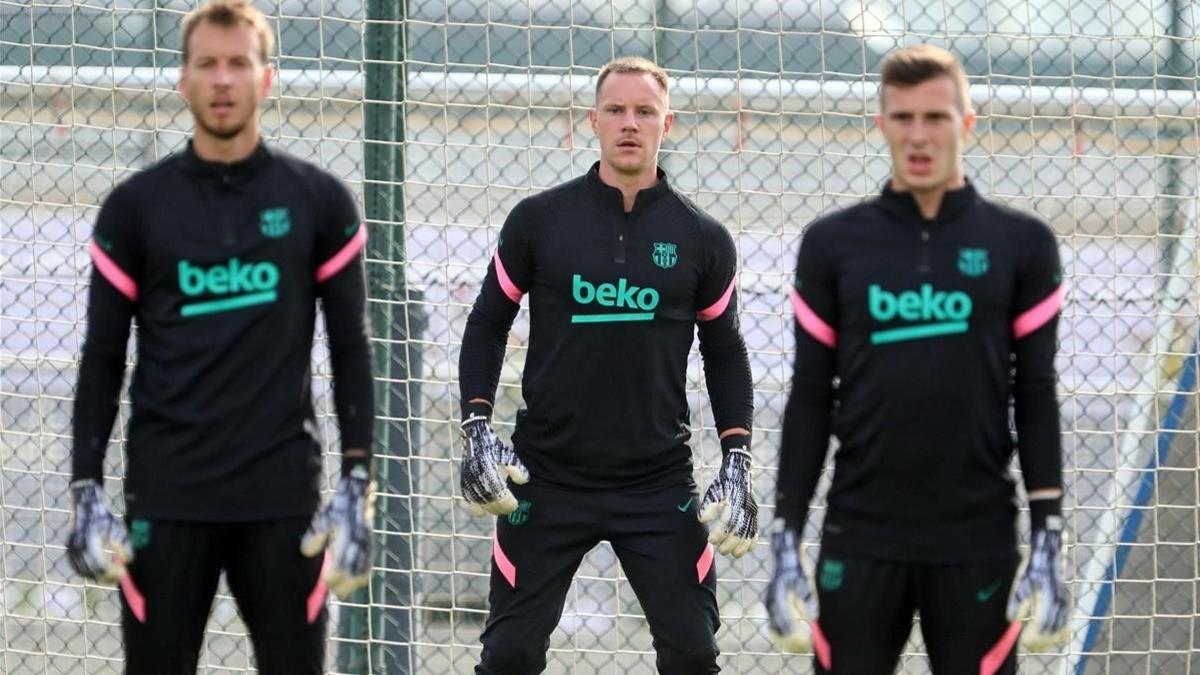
x,y
508,278
1038,302
341,286
807,418
112,299
726,363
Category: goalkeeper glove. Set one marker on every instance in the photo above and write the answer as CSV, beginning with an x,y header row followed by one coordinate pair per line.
x,y
94,529
791,604
485,457
344,523
730,497
1040,594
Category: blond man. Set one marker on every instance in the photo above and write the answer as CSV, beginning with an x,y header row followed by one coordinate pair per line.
x,y
621,270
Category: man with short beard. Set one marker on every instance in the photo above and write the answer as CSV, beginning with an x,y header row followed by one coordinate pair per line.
x,y
220,252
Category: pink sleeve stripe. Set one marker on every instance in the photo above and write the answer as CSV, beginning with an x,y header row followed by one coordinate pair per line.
x,y
343,257
718,308
704,564
506,283
994,658
821,645
507,569
316,597
133,595
811,323
111,271
1037,316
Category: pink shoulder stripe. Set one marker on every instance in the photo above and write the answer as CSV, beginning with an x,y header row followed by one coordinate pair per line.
x,y
1037,316
718,308
811,323
111,271
506,283
343,257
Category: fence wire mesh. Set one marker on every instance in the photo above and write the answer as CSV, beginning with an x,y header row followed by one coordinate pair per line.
x,y
1088,117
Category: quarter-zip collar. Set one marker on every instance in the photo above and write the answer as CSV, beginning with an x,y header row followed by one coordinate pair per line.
x,y
611,197
233,176
904,206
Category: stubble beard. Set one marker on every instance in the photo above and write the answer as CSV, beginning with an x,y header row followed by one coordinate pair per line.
x,y
220,134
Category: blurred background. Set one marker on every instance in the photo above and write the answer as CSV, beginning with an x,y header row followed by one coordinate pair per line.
x,y
441,115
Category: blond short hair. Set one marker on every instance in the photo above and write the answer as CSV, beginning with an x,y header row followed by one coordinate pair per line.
x,y
229,13
632,64
911,66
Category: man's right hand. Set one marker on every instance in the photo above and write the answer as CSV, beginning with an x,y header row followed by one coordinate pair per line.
x,y
791,604
94,529
486,462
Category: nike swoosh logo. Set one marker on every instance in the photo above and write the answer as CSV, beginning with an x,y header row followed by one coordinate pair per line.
x,y
684,506
986,594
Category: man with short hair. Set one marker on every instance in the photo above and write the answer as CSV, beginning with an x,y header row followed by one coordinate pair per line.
x,y
930,307
220,251
620,270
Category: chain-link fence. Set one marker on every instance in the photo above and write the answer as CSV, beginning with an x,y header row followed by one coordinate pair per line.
x,y
441,116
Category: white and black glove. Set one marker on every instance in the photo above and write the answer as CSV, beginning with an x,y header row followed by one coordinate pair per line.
x,y
94,531
730,497
344,525
485,464
791,603
1040,596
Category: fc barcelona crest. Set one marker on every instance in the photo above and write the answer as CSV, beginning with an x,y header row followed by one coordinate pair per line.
x,y
664,254
973,262
832,574
521,514
275,223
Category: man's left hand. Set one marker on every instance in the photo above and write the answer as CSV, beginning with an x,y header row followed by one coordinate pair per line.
x,y
344,524
730,498
1040,594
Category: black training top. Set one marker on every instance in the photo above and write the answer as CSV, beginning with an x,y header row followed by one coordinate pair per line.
x,y
614,301
931,328
220,265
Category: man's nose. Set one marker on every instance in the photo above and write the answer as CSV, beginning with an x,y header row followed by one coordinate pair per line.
x,y
918,132
222,75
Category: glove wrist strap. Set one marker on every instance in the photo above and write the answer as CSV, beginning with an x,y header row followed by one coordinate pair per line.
x,y
738,444
472,420
785,542
472,410
356,466
1045,514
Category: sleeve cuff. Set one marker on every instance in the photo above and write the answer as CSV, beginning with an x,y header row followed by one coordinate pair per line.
x,y
739,440
1045,513
476,409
